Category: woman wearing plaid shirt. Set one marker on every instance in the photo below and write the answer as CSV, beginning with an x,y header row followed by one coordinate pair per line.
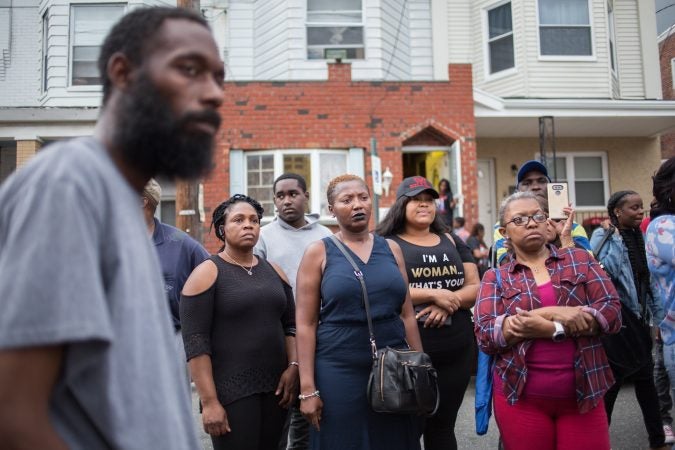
x,y
541,315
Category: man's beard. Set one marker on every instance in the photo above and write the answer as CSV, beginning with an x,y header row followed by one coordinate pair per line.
x,y
156,142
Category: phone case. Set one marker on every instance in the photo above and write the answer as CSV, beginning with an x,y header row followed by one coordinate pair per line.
x,y
557,200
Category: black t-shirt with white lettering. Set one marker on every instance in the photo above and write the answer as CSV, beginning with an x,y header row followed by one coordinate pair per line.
x,y
440,267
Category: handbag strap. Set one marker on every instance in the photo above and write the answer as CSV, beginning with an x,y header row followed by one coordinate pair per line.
x,y
364,292
608,232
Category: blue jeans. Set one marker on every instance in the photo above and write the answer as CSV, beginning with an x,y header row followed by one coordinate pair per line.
x,y
662,378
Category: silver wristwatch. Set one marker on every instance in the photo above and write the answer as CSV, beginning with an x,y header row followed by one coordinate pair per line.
x,y
559,333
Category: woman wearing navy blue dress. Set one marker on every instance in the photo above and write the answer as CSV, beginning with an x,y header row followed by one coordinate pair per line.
x,y
332,331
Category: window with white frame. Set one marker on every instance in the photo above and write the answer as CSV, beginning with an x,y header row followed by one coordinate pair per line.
x,y
45,50
500,38
564,28
612,35
335,29
89,25
318,167
586,176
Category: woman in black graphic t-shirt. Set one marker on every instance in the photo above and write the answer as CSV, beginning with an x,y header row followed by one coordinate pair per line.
x,y
443,285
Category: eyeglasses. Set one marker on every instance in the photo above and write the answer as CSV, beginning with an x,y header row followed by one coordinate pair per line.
x,y
522,221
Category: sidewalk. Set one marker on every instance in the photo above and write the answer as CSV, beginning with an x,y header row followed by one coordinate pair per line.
x,y
627,431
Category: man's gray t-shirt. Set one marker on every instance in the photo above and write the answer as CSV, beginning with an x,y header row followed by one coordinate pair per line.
x,y
78,269
285,245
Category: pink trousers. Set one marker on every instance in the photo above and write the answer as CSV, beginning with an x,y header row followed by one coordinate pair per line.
x,y
550,424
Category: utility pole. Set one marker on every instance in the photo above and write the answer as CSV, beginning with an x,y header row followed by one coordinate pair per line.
x,y
546,143
187,192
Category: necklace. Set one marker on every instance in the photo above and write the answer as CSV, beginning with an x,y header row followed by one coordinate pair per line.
x,y
249,270
536,269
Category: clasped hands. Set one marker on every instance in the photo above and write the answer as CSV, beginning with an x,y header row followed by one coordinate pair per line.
x,y
445,303
536,323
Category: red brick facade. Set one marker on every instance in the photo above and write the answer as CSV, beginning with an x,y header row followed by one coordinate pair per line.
x,y
666,54
341,113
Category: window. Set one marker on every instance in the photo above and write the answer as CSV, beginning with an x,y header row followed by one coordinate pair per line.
x,y
500,38
335,29
612,35
89,25
564,28
586,175
45,51
318,167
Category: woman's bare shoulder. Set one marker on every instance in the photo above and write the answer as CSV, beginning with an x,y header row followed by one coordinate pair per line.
x,y
201,278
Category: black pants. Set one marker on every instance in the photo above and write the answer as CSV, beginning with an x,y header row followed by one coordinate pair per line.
x,y
453,379
256,422
645,392
296,431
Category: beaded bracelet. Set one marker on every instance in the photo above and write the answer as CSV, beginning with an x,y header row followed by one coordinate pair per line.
x,y
305,397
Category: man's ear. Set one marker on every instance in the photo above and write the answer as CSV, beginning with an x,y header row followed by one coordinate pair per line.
x,y
119,70
502,231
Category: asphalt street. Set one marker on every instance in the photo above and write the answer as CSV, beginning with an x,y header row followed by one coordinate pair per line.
x,y
627,430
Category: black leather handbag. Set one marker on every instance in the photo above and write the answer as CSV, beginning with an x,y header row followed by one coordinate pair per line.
x,y
402,381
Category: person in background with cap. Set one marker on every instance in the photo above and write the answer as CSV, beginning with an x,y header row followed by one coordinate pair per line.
x,y
443,281
533,177
178,255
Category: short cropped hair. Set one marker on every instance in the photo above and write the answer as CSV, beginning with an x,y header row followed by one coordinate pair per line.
x,y
132,34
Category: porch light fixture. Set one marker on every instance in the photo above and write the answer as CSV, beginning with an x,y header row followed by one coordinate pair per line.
x,y
387,177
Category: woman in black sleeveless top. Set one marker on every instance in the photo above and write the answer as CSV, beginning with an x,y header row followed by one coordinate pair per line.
x,y
443,285
238,321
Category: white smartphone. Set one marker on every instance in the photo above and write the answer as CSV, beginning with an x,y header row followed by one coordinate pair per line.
x,y
557,200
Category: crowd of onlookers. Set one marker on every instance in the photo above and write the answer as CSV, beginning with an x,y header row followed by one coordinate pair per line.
x,y
102,305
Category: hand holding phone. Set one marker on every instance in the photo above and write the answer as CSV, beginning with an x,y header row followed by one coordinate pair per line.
x,y
558,199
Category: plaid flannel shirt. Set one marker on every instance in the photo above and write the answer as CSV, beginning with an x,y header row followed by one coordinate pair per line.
x,y
578,280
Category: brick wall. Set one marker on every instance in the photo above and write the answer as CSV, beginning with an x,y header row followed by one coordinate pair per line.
x,y
666,54
341,113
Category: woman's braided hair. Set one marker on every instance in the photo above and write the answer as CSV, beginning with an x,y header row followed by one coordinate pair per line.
x,y
663,190
632,239
220,213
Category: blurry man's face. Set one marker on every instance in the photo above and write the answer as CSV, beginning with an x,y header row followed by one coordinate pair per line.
x,y
168,118
535,182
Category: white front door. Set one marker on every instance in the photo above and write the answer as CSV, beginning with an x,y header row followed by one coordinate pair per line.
x,y
487,207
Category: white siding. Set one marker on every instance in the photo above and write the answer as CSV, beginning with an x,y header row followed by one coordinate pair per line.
x,y
628,49
510,83
60,93
570,79
421,41
267,41
460,36
271,39
240,42
394,36
20,53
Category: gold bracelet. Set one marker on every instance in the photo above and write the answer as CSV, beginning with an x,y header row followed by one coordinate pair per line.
x,y
306,396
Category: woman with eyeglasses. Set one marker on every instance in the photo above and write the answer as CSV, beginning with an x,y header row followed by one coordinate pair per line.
x,y
541,316
238,321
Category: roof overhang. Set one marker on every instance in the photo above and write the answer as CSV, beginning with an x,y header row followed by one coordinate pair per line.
x,y
506,117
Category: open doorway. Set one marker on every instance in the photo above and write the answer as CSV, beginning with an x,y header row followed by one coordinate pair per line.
x,y
435,163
